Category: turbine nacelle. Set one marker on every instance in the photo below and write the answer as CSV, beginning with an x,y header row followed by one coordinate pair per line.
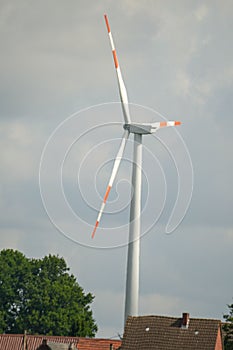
x,y
148,128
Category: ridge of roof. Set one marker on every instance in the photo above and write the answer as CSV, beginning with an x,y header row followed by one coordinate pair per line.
x,y
174,317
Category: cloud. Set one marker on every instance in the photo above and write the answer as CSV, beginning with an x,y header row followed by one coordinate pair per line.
x,y
201,12
107,305
21,144
176,58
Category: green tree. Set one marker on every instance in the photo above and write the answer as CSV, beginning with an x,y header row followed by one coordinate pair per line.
x,y
42,297
228,329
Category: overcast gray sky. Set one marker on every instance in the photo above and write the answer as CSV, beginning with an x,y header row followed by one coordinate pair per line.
x,y
177,59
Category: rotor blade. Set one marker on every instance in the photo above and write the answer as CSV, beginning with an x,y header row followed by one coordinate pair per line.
x,y
121,85
165,124
112,178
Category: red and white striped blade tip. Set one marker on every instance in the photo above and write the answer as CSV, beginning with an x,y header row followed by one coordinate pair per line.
x,y
95,228
101,210
175,123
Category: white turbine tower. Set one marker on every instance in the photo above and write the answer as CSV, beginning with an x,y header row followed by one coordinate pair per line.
x,y
138,129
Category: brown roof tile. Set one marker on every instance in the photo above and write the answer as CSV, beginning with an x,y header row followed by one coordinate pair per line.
x,y
165,333
98,344
15,342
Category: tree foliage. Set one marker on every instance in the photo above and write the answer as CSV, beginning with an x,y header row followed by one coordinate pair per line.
x,y
42,297
228,329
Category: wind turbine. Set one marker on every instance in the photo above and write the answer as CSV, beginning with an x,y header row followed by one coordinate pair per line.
x,y
138,129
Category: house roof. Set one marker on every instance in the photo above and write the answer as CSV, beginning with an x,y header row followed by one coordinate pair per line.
x,y
166,333
15,342
98,344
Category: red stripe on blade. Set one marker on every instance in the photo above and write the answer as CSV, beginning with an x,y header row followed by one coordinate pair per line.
x,y
163,124
107,193
95,228
107,24
177,123
115,58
